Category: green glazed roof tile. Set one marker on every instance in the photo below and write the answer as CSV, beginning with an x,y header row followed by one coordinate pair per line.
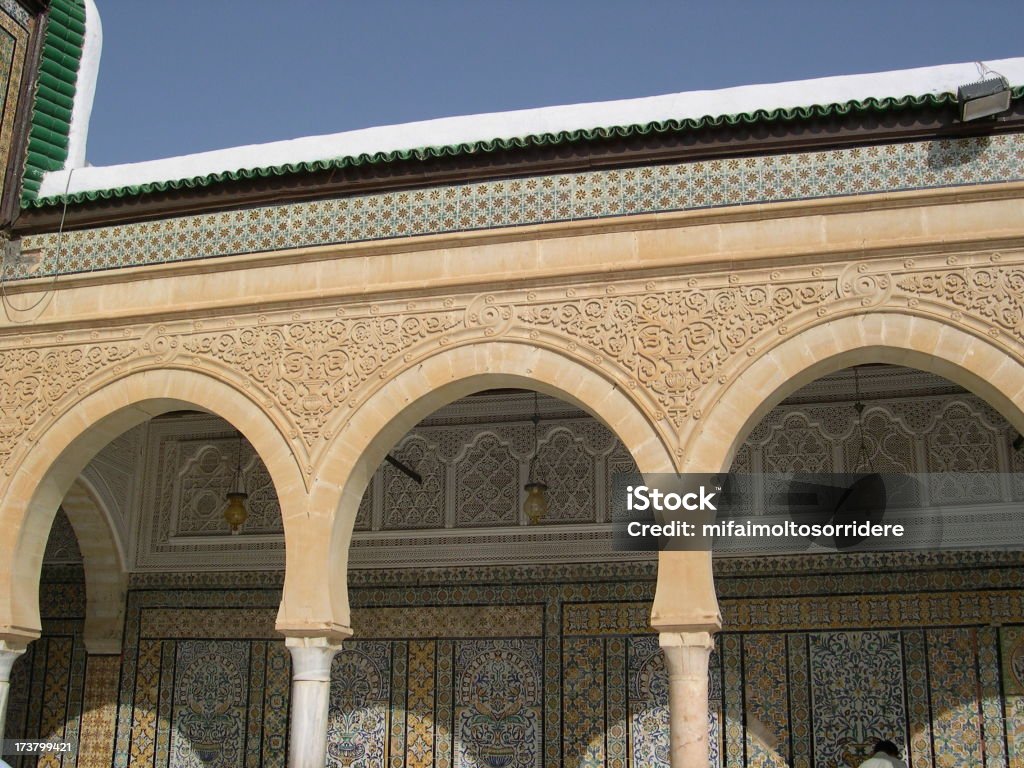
x,y
869,105
55,92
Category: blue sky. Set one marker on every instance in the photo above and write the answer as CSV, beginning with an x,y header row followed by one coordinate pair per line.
x,y
193,75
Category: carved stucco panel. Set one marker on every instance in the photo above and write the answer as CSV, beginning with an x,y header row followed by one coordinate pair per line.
x,y
42,378
670,342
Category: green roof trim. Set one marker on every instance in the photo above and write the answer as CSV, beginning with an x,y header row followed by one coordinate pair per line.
x,y
54,95
870,105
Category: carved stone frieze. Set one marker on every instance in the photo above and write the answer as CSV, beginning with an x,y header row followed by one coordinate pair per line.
x,y
668,342
310,368
39,382
993,293
673,343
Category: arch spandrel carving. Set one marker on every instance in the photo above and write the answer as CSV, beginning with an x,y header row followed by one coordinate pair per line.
x,y
671,343
77,432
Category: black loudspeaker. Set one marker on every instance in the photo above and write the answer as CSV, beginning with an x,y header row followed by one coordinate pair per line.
x,y
863,500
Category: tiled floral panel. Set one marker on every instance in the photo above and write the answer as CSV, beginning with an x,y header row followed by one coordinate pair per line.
x,y
208,716
535,200
560,670
498,703
14,24
361,704
856,692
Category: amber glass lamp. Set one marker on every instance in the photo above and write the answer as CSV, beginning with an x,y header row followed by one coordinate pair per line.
x,y
235,512
536,505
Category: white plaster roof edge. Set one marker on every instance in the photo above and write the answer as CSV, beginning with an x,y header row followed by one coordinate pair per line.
x,y
520,123
85,87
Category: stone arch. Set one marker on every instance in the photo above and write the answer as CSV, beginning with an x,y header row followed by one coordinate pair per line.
x,y
973,361
407,398
103,560
69,442
883,336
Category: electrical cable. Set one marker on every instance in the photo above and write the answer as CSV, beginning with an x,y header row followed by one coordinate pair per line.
x,y
9,309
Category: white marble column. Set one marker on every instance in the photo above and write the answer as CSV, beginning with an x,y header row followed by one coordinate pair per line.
x,y
311,695
9,652
686,660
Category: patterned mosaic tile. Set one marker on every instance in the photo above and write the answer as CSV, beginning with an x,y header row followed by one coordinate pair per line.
x,y
419,740
1013,660
212,623
918,705
591,694
1015,729
360,702
856,693
734,744
617,731
14,24
449,621
444,715
144,706
555,198
165,699
254,715
498,703
275,706
991,706
211,691
55,700
799,682
96,738
956,726
583,681
648,703
767,700
13,9
399,677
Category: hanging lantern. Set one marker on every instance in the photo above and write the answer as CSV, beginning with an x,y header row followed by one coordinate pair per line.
x,y
536,504
535,507
235,512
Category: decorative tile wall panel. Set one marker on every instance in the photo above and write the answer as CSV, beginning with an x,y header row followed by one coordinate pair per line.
x,y
211,690
648,704
560,669
14,27
583,679
540,199
766,699
954,686
856,693
99,712
498,703
360,704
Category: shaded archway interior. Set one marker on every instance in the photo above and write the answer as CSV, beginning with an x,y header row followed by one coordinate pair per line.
x,y
816,420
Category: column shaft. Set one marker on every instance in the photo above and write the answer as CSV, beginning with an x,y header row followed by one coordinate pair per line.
x,y
8,655
686,660
311,696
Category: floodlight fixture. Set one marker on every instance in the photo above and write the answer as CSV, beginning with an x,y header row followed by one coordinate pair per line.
x,y
984,98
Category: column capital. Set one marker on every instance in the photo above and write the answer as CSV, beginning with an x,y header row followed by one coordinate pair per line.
x,y
9,653
311,657
12,638
686,640
686,653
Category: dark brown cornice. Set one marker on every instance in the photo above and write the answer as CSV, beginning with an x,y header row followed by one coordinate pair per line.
x,y
652,148
35,7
